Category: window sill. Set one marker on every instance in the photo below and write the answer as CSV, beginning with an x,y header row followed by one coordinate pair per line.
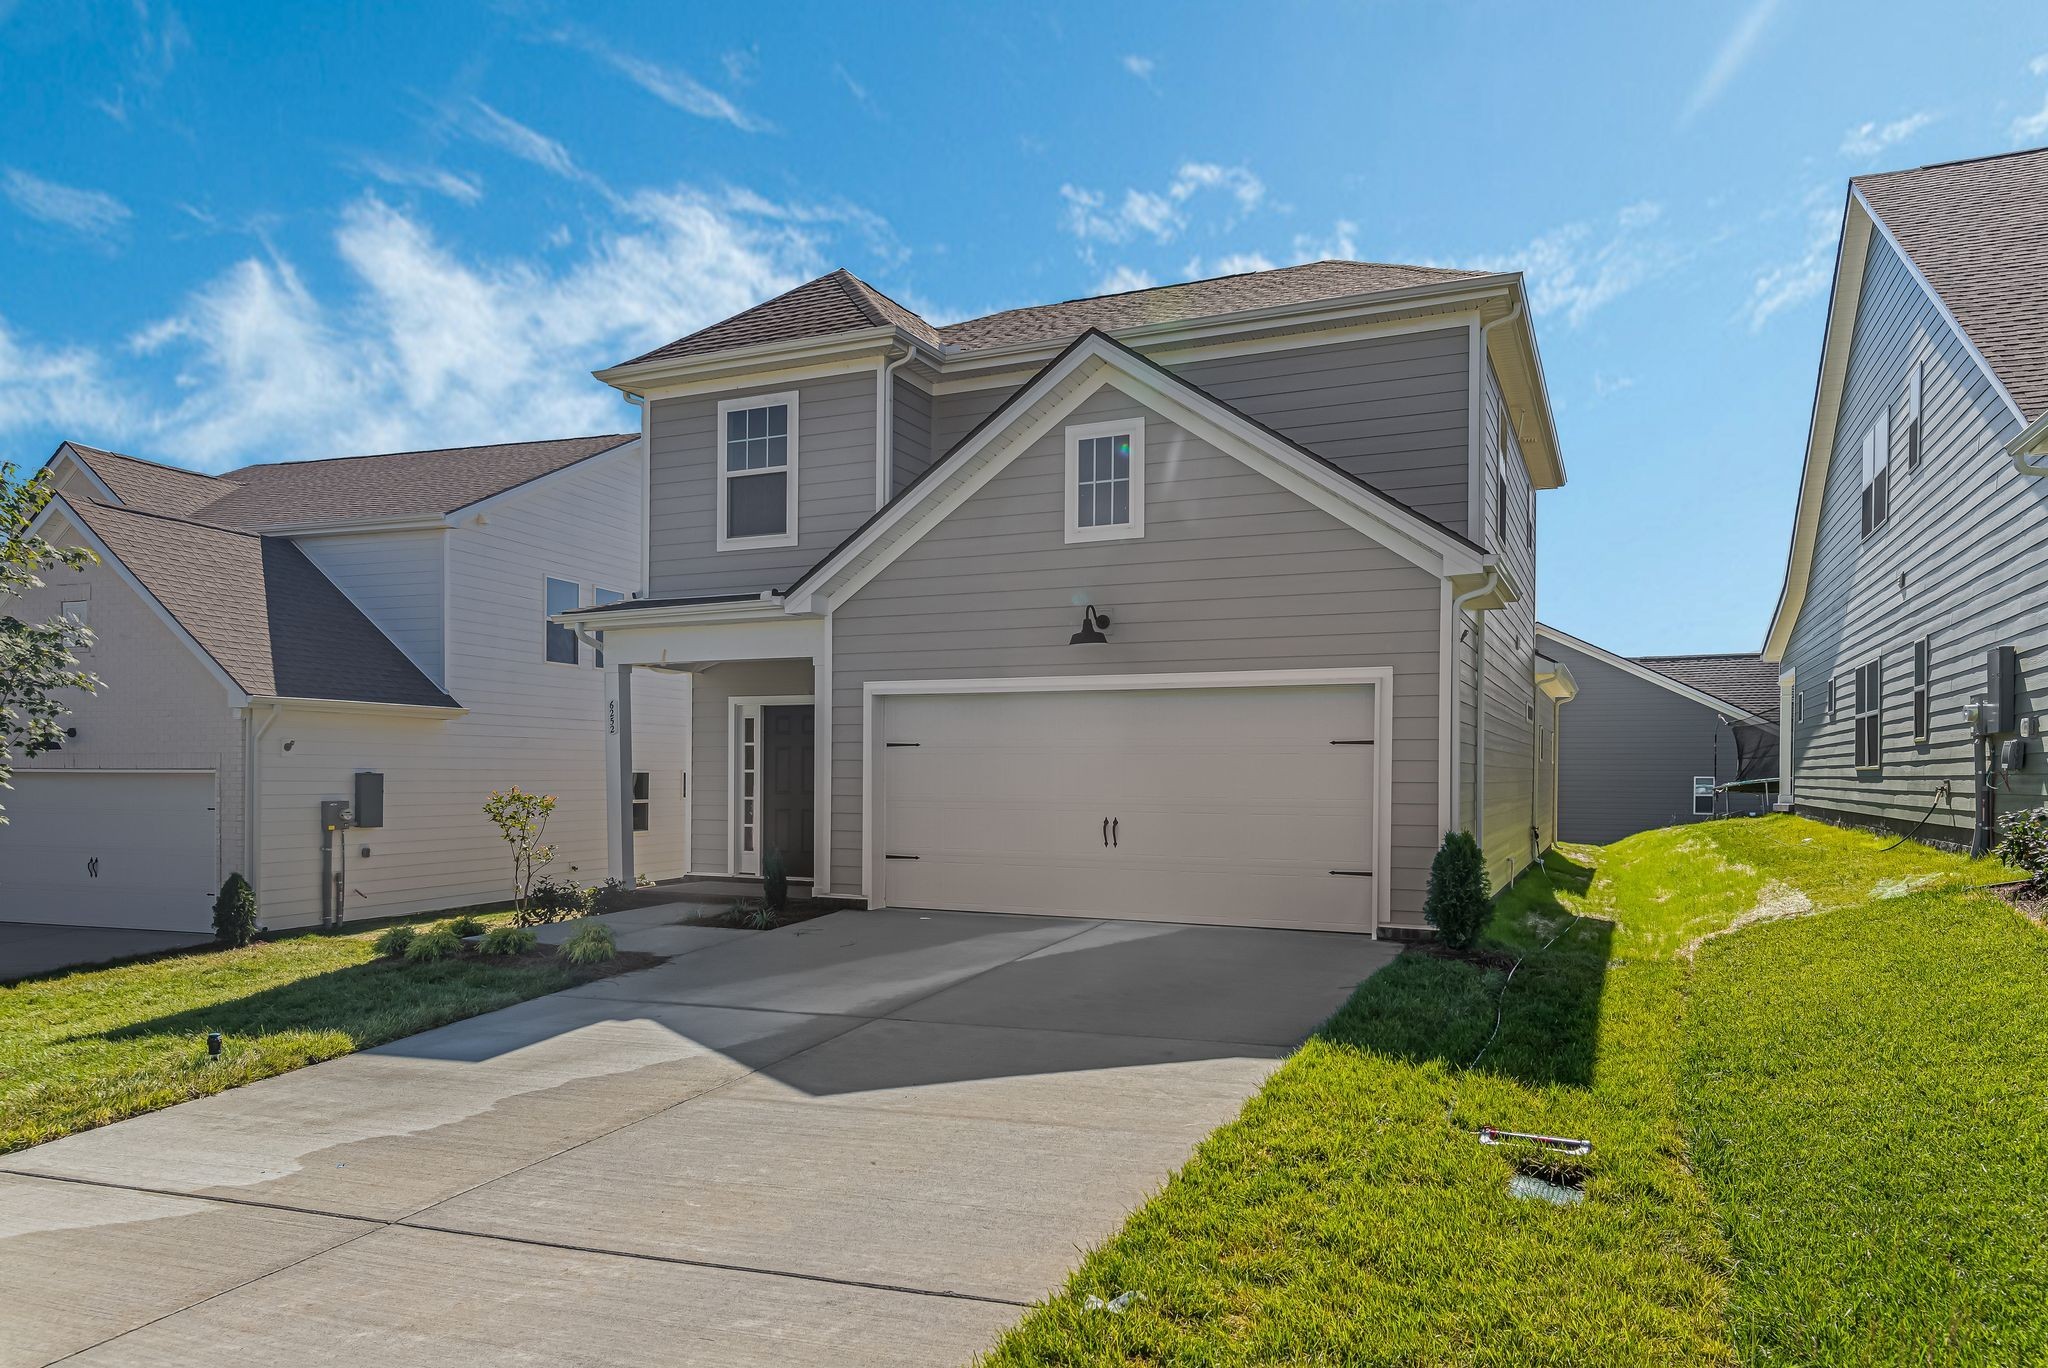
x,y
726,543
1127,532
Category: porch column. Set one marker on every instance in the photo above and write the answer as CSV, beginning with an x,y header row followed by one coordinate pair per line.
x,y
618,772
821,783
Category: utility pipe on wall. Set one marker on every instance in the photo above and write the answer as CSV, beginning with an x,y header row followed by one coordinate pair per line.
x,y
885,412
252,795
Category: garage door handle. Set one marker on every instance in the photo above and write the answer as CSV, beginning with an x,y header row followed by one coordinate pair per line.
x,y
1351,743
1115,839
1105,833
1352,873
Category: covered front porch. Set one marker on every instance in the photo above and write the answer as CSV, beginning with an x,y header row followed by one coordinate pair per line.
x,y
758,783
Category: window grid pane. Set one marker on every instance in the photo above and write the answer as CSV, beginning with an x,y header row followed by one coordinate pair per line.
x,y
757,438
1103,480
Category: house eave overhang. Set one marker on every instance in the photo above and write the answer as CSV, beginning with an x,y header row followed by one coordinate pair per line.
x,y
1491,586
637,377
304,703
1554,679
630,616
336,527
2029,450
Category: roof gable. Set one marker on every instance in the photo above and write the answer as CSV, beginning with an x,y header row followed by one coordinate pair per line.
x,y
1060,387
258,609
149,485
1977,232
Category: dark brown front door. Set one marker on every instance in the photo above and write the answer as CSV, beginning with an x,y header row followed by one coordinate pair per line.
x,y
788,775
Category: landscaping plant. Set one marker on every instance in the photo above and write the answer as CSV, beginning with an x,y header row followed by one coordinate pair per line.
x,y
394,940
2023,844
553,900
754,916
1460,900
465,925
775,880
234,912
37,659
508,940
522,819
610,896
437,944
594,944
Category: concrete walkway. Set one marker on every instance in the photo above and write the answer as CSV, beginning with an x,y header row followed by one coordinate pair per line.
x,y
29,948
872,1138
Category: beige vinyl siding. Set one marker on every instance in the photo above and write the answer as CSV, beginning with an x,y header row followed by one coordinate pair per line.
x,y
835,485
711,705
1391,410
911,417
529,722
159,705
395,578
1233,573
1970,536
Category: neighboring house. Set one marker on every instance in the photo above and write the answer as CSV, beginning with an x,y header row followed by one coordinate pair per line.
x,y
1920,544
1654,741
1205,603
268,634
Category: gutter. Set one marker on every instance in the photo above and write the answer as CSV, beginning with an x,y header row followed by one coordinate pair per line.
x,y
1492,583
252,792
2029,450
885,412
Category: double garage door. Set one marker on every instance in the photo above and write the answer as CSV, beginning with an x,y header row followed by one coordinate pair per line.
x,y
130,849
1252,806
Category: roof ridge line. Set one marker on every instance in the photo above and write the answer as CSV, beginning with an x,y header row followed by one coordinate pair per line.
x,y
1210,280
429,451
144,460
1953,161
175,518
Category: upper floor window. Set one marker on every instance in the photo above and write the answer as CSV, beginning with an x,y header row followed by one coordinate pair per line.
x,y
1923,669
1914,439
757,471
1869,715
1105,483
1877,473
561,596
78,611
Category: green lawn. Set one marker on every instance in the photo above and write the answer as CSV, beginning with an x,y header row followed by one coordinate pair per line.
x,y
82,1049
1779,1114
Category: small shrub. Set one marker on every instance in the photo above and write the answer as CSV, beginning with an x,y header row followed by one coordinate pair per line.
x,y
552,900
612,895
2023,844
466,925
508,940
1460,900
395,940
234,912
593,944
755,916
437,944
775,880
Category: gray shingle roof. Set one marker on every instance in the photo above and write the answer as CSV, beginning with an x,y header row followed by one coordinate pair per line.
x,y
1978,230
264,612
842,302
1746,680
401,484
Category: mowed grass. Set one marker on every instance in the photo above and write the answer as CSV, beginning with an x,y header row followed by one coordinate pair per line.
x,y
1349,1216
84,1048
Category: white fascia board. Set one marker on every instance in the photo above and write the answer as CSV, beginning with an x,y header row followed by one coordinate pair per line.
x,y
766,608
1400,531
628,449
689,645
1650,676
639,377
342,527
297,703
237,696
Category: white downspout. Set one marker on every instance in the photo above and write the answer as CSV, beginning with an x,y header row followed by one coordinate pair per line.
x,y
885,413
252,797
1478,707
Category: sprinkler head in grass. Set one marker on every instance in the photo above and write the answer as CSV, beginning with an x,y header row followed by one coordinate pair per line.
x,y
213,1044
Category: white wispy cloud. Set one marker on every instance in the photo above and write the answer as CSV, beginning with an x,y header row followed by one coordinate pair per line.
x,y
672,86
1122,278
1139,66
464,186
93,213
859,92
2028,127
1788,284
417,344
1605,385
1579,268
1869,139
2039,66
1161,215
1734,53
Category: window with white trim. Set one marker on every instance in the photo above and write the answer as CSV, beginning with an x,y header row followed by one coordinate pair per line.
x,y
1877,473
1923,670
561,596
598,599
1530,530
1798,706
78,611
1703,795
1833,694
642,805
757,471
1915,437
1869,714
1105,481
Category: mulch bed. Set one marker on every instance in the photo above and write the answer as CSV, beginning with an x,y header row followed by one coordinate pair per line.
x,y
735,920
2020,893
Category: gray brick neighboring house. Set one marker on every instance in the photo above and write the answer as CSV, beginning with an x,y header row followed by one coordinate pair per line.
x,y
1920,542
1655,741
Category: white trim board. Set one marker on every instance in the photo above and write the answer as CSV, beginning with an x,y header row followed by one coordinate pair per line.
x,y
1650,676
1379,677
735,706
792,461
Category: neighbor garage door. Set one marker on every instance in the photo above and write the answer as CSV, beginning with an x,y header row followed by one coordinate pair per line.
x,y
106,849
1242,806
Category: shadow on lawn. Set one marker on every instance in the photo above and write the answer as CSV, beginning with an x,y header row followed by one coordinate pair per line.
x,y
1429,1005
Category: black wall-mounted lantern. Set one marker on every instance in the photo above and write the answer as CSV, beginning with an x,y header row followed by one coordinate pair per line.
x,y
1092,624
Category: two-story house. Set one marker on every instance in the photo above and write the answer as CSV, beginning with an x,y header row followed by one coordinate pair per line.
x,y
1911,628
368,634
1207,603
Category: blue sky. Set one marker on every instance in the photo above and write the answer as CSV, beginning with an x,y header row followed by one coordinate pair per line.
x,y
228,233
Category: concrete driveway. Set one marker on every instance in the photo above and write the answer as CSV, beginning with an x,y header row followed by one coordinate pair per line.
x,y
872,1138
